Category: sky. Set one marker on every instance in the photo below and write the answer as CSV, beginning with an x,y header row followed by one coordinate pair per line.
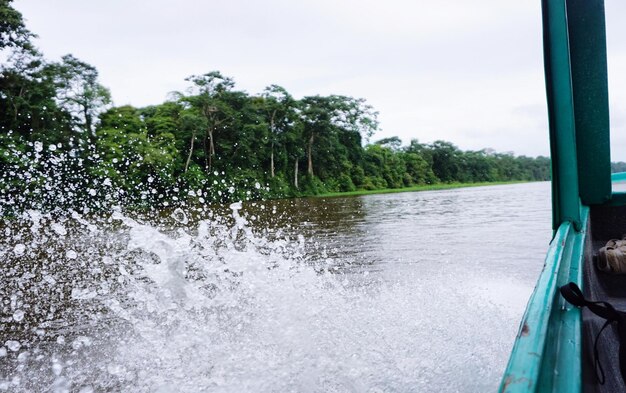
x,y
468,72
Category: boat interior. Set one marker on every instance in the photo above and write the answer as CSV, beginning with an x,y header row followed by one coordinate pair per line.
x,y
606,222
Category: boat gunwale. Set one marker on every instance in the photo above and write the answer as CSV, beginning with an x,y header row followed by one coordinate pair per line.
x,y
550,327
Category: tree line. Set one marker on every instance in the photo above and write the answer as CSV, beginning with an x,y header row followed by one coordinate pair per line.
x,y
210,140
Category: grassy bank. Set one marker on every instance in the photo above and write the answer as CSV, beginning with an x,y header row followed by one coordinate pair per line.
x,y
427,187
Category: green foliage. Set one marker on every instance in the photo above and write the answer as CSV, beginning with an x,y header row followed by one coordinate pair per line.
x,y
79,92
211,143
13,32
417,169
280,187
131,158
445,161
345,184
394,143
28,105
312,185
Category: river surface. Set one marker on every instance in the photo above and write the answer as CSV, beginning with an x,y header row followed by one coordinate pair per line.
x,y
406,292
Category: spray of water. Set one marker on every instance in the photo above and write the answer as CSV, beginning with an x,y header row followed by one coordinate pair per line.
x,y
103,298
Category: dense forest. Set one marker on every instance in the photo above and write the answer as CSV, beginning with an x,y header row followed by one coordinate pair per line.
x,y
63,143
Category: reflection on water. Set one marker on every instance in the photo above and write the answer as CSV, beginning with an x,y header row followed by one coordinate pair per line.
x,y
409,292
492,229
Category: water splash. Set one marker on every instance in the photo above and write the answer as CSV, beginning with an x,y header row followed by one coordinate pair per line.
x,y
212,306
196,298
124,281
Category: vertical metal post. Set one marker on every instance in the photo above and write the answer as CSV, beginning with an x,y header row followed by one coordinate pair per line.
x,y
587,44
565,193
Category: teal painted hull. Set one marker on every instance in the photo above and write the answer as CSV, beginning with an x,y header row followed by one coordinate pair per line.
x,y
618,177
546,356
547,353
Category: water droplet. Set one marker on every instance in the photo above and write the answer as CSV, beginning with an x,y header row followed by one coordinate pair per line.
x,y
19,249
71,254
86,293
81,341
180,216
59,229
13,345
18,315
115,369
49,279
61,385
57,368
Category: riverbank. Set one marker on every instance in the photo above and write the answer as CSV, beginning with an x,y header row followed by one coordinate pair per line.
x,y
426,187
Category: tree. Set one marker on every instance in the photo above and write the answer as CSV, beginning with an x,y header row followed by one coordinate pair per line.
x,y
445,160
130,156
324,117
477,166
164,123
13,32
417,169
394,143
280,115
80,93
207,93
28,106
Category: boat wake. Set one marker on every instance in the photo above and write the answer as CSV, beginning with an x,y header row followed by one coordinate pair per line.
x,y
123,304
200,299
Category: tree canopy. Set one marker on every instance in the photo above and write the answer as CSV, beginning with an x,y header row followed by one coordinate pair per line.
x,y
211,142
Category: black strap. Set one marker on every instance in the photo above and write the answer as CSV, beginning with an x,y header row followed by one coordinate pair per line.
x,y
572,293
596,356
575,296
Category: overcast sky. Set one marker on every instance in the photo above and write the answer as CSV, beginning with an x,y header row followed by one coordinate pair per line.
x,y
469,72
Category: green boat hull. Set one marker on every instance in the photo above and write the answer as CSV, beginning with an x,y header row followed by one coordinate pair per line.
x,y
547,355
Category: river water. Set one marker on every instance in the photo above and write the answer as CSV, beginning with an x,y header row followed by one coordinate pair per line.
x,y
407,292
